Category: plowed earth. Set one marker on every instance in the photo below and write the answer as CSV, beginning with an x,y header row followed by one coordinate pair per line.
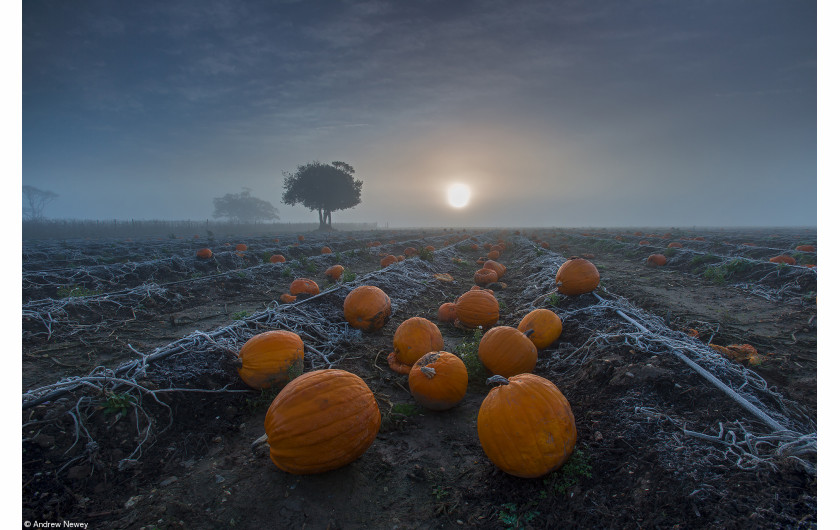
x,y
655,440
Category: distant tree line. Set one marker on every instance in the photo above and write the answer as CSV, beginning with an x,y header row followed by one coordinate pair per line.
x,y
317,186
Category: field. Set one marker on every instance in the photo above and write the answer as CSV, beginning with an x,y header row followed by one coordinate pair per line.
x,y
134,415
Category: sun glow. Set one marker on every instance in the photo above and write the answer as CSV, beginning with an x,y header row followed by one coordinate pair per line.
x,y
458,195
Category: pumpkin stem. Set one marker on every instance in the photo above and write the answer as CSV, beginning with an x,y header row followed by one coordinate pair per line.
x,y
497,379
428,371
259,441
529,332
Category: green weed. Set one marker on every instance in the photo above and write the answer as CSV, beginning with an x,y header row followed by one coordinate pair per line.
x,y
239,315
74,291
570,474
348,276
468,352
118,404
510,517
553,299
426,255
406,409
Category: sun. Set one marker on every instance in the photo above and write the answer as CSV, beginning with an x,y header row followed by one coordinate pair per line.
x,y
458,195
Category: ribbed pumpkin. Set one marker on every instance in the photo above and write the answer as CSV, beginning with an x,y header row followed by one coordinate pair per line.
x,y
783,259
390,259
322,420
326,250
367,308
334,273
303,286
493,254
241,247
506,351
413,339
438,380
277,258
446,312
546,325
485,276
409,251
204,253
806,248
577,276
477,308
267,358
496,266
656,260
526,426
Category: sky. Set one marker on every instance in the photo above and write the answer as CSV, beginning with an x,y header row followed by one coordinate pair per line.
x,y
554,113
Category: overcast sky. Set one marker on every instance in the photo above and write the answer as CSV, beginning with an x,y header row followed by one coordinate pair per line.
x,y
558,113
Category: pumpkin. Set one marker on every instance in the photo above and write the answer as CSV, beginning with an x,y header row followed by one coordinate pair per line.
x,y
644,242
367,308
506,351
204,253
493,254
577,276
487,246
413,338
409,251
400,258
481,260
241,247
286,298
546,325
303,286
429,248
783,259
485,276
277,258
390,259
322,420
477,308
496,266
656,260
446,312
326,250
267,358
806,248
675,245
438,380
334,273
526,426
544,245
301,238
473,247
375,244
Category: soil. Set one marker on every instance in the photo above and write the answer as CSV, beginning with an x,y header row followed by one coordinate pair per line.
x,y
640,412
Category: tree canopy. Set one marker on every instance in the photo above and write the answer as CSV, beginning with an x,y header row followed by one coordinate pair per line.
x,y
243,208
35,200
323,187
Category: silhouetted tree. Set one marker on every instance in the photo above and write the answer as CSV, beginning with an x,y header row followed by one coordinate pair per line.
x,y
323,187
34,202
242,208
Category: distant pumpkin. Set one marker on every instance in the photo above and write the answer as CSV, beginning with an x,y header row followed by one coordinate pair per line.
x,y
390,259
334,273
277,258
496,266
675,245
656,260
790,260
204,253
326,250
484,276
806,248
304,286
446,312
241,247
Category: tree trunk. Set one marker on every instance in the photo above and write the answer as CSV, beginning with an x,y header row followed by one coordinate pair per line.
x,y
322,217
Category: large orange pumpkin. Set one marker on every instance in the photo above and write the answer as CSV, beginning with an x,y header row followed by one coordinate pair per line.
x,y
577,276
546,325
506,351
334,273
204,253
413,338
267,358
390,259
367,308
446,312
322,420
477,308
303,286
485,276
438,380
326,250
526,426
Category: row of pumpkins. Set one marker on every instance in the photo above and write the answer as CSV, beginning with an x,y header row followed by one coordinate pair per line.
x,y
325,419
